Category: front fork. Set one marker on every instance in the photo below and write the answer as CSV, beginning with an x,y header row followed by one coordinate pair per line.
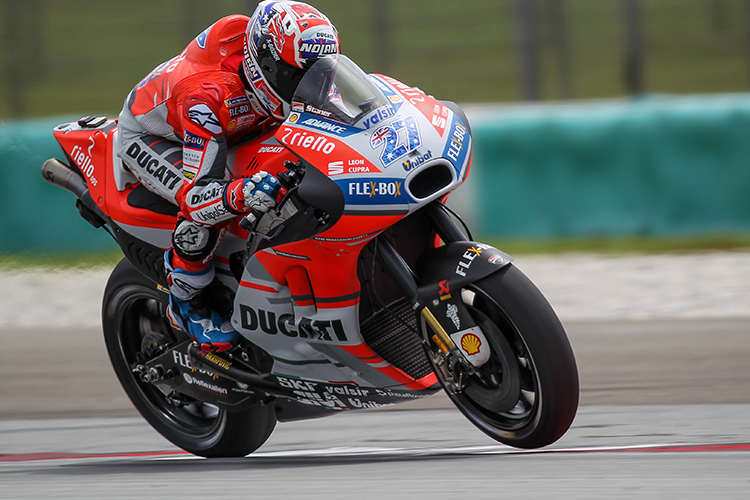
x,y
442,273
450,360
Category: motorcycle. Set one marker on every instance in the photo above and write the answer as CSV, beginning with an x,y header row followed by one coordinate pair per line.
x,y
361,289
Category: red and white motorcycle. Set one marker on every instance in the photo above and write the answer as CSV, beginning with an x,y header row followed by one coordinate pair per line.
x,y
361,290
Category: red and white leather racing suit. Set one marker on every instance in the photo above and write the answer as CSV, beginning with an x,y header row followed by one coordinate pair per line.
x,y
174,130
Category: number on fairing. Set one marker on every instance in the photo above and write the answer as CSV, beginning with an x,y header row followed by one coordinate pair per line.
x,y
394,145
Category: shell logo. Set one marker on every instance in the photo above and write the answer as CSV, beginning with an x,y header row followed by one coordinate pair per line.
x,y
471,344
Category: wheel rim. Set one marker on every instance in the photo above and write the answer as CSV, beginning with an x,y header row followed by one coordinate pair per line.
x,y
496,386
139,311
509,352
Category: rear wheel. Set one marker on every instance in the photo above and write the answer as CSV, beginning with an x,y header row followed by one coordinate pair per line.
x,y
135,324
526,395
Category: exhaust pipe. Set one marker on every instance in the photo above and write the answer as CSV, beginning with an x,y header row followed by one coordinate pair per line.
x,y
56,172
59,174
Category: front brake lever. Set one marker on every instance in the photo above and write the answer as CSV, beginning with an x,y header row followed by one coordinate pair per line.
x,y
249,221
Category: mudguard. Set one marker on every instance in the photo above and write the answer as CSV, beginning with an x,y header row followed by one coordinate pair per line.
x,y
455,265
442,273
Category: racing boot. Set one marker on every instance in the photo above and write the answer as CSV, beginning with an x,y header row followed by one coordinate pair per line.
x,y
188,309
206,327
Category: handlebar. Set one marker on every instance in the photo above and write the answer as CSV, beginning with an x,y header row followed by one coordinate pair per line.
x,y
292,176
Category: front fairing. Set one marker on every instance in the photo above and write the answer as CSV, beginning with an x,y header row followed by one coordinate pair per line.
x,y
389,147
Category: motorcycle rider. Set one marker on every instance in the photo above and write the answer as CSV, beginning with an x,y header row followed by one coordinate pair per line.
x,y
236,78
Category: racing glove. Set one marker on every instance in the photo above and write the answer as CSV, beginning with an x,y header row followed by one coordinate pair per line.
x,y
260,192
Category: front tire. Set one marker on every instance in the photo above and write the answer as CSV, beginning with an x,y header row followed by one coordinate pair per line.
x,y
532,363
135,307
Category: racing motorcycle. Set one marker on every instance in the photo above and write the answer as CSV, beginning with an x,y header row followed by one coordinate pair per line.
x,y
361,289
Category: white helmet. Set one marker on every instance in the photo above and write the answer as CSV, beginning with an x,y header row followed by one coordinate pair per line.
x,y
283,39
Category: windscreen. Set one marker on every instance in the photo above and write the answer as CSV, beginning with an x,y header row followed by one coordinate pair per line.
x,y
336,88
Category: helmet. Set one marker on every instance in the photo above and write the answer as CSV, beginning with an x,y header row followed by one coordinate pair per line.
x,y
283,39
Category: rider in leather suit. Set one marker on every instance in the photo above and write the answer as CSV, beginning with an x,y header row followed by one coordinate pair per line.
x,y
235,78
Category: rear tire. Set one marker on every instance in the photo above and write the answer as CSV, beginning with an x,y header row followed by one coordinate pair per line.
x,y
135,307
528,343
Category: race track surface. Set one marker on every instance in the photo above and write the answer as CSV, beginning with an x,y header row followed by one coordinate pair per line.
x,y
662,347
619,363
665,414
659,452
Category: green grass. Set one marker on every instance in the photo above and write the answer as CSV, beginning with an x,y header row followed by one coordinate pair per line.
x,y
625,245
608,246
25,261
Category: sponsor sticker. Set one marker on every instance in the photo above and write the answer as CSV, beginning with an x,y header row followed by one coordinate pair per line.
x,y
203,116
240,110
416,161
254,75
246,120
192,159
312,48
212,213
271,323
495,259
308,140
83,160
451,313
439,118
351,166
470,343
151,165
396,140
236,101
316,111
374,192
192,141
211,193
473,344
468,258
457,145
378,115
324,125
445,290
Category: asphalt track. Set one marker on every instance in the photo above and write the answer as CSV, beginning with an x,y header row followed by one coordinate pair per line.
x,y
665,413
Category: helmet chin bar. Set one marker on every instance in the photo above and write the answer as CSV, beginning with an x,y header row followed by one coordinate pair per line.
x,y
256,103
252,94
259,90
283,109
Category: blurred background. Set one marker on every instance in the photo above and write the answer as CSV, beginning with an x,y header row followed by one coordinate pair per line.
x,y
597,125
85,55
593,119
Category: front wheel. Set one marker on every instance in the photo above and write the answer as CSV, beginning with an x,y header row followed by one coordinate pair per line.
x,y
133,317
526,395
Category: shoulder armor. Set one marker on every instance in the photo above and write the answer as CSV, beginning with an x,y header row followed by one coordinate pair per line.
x,y
221,39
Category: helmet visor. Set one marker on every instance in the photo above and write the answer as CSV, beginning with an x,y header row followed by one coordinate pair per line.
x,y
280,75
